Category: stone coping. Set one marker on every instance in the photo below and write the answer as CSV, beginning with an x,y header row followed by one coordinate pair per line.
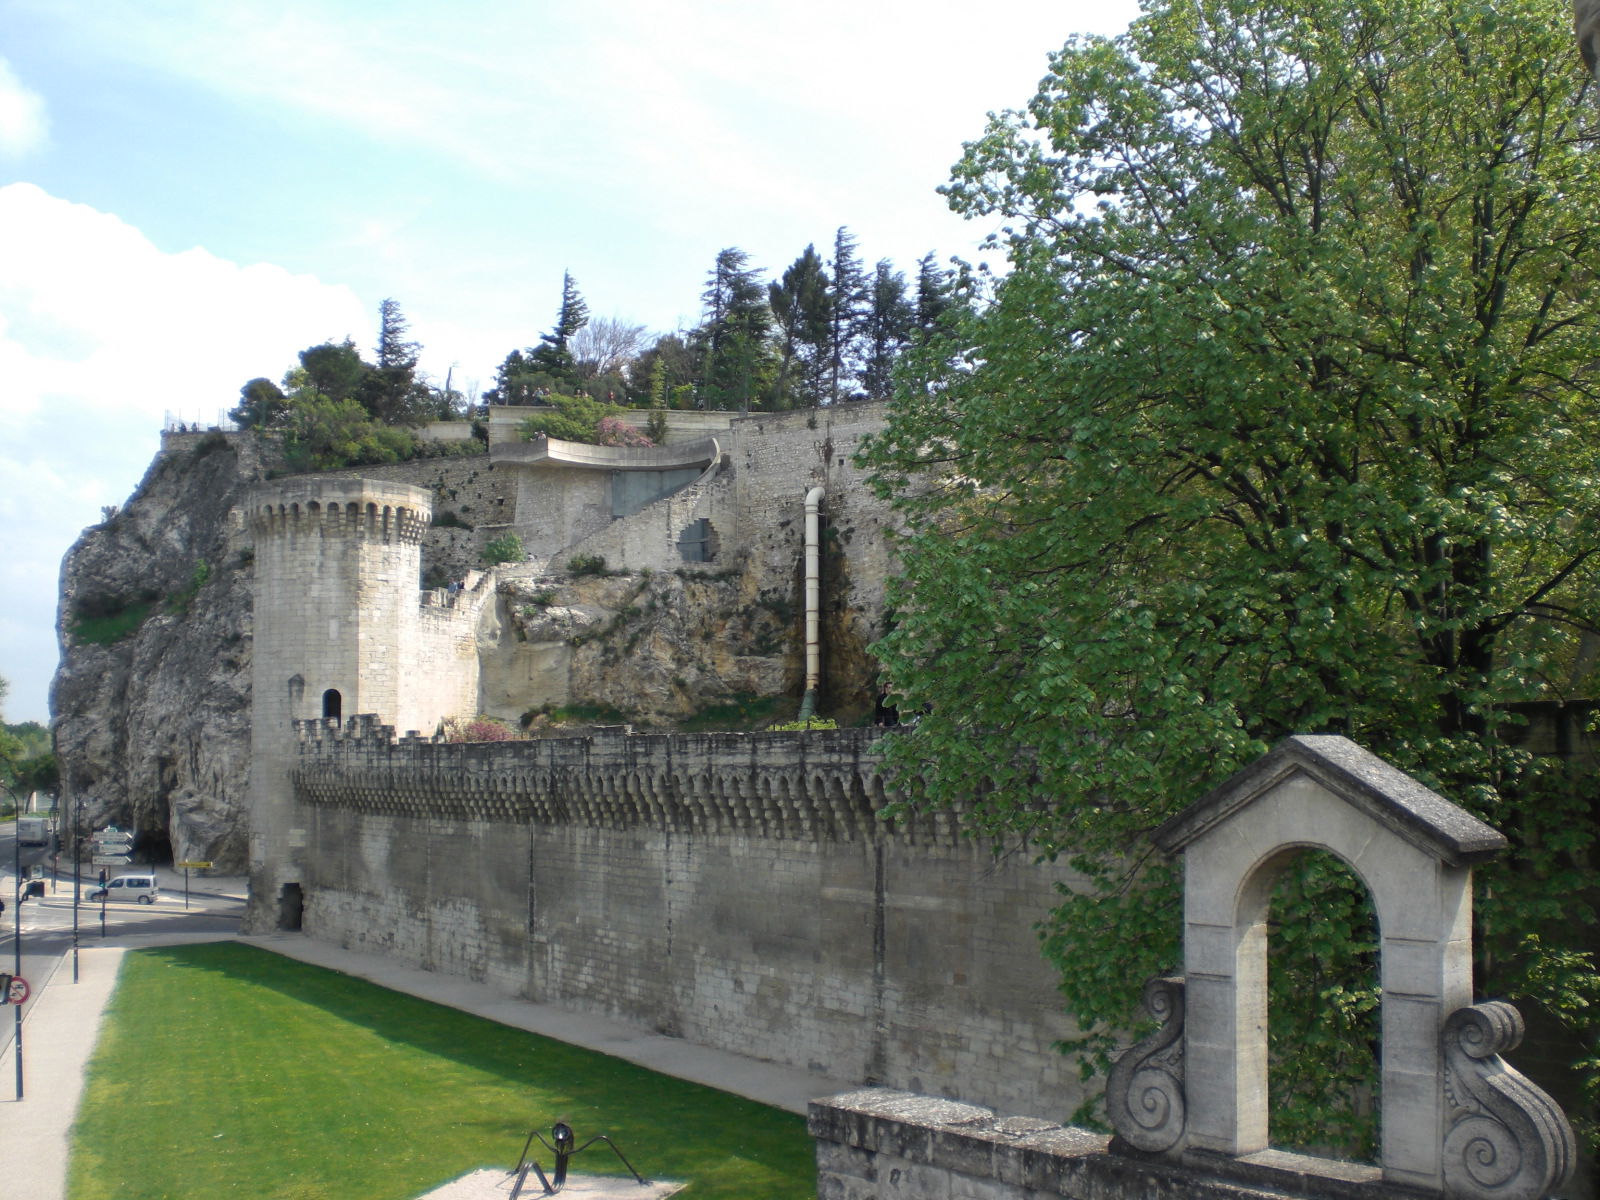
x,y
1036,1157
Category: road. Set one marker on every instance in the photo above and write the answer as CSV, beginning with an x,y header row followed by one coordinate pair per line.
x,y
45,925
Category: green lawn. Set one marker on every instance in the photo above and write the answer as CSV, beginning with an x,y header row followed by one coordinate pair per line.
x,y
223,1070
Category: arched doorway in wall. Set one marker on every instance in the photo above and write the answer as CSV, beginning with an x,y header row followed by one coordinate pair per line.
x,y
1324,1013
332,705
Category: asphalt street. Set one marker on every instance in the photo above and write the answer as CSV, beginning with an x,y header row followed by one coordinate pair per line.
x,y
43,927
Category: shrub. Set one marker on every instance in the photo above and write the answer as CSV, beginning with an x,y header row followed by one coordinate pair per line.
x,y
804,726
614,431
587,564
479,729
504,549
583,419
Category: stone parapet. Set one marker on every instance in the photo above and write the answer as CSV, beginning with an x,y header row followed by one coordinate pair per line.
x,y
881,1144
814,785
358,508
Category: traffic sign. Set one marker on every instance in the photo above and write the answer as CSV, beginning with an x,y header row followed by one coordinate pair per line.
x,y
111,860
112,839
17,990
197,866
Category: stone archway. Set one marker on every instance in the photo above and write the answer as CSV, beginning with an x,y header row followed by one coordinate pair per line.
x,y
1197,1090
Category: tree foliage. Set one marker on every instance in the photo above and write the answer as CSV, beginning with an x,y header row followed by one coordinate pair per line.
x,y
801,303
582,419
733,338
1283,420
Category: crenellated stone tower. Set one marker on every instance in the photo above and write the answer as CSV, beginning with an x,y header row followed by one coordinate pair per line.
x,y
338,569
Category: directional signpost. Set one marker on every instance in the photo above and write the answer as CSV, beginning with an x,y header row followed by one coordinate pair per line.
x,y
109,847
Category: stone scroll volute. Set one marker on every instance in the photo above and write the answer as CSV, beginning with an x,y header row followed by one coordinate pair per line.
x,y
1144,1093
1455,1120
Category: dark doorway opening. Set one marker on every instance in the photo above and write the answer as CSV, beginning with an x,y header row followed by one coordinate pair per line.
x,y
332,705
291,908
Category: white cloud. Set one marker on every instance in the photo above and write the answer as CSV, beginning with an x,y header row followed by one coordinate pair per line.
x,y
23,125
101,334
95,318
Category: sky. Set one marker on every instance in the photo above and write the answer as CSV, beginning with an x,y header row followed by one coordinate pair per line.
x,y
193,192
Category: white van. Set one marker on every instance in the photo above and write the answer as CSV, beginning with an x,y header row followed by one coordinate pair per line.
x,y
128,887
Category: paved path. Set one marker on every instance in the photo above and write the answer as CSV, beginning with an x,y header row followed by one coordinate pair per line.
x,y
59,1033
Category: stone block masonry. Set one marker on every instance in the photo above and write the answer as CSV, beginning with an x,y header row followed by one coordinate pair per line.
x,y
738,890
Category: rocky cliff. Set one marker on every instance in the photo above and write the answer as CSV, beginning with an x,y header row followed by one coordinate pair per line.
x,y
152,698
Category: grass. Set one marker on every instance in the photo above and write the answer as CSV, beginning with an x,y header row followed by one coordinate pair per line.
x,y
735,713
106,630
226,1070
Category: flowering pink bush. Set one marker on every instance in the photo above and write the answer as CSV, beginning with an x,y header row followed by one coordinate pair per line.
x,y
614,431
479,729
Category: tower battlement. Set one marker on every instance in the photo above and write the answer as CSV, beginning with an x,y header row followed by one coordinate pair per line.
x,y
364,509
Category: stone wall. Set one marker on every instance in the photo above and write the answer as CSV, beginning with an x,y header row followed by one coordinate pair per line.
x,y
879,1144
737,890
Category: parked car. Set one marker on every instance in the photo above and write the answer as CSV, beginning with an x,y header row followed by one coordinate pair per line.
x,y
128,887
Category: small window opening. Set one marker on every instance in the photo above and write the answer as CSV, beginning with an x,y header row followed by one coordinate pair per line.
x,y
332,705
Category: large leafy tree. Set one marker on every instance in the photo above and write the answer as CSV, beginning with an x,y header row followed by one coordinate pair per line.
x,y
1283,420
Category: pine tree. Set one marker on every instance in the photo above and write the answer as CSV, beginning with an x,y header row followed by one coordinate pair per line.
x,y
553,353
391,391
889,326
734,335
846,316
935,294
800,307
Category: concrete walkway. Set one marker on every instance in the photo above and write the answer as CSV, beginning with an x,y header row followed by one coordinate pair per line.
x,y
60,1031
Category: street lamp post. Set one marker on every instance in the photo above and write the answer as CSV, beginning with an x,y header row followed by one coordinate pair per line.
x,y
16,909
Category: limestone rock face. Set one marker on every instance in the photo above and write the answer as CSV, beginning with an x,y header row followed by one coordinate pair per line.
x,y
152,727
653,647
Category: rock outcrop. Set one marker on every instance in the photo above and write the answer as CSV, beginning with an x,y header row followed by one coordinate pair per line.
x,y
152,699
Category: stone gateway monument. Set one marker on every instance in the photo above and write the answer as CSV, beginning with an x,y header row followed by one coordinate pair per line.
x,y
1190,1103
1455,1120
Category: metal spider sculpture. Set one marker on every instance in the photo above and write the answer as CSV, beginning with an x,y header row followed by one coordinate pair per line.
x,y
565,1147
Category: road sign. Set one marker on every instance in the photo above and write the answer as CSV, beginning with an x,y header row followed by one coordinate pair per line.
x,y
111,860
17,990
196,866
105,838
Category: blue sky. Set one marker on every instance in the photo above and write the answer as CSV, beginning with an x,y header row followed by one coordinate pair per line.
x,y
191,193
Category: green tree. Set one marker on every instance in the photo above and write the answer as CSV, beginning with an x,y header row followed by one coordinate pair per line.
x,y
520,381
262,405
801,307
847,309
935,294
334,369
733,336
665,373
890,322
391,389
1283,420
324,434
582,419
27,760
553,354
